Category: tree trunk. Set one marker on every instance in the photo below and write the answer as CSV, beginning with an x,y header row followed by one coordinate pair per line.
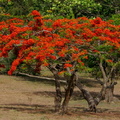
x,y
68,92
105,93
100,96
109,96
108,84
87,95
58,95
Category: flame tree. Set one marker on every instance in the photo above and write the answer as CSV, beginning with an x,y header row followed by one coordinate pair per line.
x,y
63,46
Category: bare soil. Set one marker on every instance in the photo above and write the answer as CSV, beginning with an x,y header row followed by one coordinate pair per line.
x,y
24,98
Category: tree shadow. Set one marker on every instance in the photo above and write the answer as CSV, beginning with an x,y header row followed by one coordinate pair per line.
x,y
77,95
28,108
34,108
117,96
89,82
50,80
49,109
99,112
45,93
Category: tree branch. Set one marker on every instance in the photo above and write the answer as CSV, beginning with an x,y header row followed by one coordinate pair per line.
x,y
102,70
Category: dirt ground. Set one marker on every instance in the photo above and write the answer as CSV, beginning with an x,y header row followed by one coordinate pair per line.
x,y
24,98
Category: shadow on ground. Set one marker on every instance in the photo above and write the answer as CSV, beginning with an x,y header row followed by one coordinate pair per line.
x,y
34,108
50,80
77,95
49,109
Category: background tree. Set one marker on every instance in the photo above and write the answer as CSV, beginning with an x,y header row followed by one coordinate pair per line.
x,y
52,8
109,7
62,8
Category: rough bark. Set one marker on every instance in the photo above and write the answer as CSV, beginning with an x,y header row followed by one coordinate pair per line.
x,y
87,96
58,96
106,93
68,92
108,85
100,96
109,95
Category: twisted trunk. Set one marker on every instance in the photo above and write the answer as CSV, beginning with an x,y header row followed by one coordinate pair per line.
x,y
105,93
108,82
87,96
68,92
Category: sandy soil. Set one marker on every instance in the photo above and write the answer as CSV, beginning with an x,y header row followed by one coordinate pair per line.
x,y
23,98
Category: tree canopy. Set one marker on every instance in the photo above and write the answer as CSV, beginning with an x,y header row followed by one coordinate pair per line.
x,y
66,46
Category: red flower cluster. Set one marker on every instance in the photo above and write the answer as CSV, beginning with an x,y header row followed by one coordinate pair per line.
x,y
15,63
48,41
67,65
110,61
35,13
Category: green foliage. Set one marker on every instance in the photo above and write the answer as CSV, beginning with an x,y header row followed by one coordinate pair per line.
x,y
55,9
116,19
109,7
7,61
73,8
52,8
15,8
104,48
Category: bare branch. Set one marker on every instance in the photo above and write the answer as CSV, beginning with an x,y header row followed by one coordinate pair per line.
x,y
102,70
113,69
